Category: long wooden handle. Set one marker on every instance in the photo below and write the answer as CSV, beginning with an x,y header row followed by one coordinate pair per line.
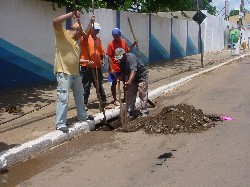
x,y
78,19
93,26
126,103
121,104
131,29
95,74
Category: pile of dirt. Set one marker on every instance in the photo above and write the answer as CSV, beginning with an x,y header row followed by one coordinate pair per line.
x,y
171,120
179,118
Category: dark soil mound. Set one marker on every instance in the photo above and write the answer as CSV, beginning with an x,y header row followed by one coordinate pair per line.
x,y
171,120
178,118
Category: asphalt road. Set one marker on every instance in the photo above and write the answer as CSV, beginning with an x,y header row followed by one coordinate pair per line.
x,y
218,157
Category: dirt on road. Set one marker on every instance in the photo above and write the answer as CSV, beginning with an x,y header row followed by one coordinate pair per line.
x,y
174,119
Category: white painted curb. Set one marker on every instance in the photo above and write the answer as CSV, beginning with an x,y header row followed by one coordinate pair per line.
x,y
52,139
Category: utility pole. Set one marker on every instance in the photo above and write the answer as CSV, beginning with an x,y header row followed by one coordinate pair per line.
x,y
200,38
241,13
198,18
226,10
241,16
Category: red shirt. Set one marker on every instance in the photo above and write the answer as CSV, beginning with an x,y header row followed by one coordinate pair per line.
x,y
112,46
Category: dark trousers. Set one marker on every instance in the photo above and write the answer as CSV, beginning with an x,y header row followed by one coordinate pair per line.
x,y
88,79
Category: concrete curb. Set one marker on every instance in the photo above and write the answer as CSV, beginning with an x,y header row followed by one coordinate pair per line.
x,y
52,139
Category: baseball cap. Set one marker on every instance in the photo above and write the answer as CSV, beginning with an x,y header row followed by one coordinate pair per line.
x,y
116,31
119,53
97,26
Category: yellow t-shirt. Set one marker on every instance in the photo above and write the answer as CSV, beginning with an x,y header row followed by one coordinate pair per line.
x,y
67,53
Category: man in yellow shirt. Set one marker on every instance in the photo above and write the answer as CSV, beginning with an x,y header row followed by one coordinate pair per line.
x,y
67,70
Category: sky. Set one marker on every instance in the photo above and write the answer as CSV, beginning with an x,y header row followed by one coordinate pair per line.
x,y
233,4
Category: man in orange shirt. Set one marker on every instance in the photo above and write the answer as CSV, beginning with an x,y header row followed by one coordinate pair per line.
x,y
114,67
92,56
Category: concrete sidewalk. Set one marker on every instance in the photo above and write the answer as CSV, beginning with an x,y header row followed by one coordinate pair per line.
x,y
34,132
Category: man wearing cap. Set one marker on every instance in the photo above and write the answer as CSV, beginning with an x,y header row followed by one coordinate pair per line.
x,y
92,56
137,81
67,70
114,68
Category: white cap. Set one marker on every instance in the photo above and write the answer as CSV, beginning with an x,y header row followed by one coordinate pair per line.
x,y
119,53
97,26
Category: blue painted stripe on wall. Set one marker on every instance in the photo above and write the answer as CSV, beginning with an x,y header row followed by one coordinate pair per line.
x,y
118,19
176,50
68,21
28,61
191,48
149,35
156,51
144,59
13,77
19,69
149,24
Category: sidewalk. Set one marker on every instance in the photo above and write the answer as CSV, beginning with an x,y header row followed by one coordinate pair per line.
x,y
38,107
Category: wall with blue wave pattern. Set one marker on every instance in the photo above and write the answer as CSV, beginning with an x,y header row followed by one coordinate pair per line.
x,y
19,69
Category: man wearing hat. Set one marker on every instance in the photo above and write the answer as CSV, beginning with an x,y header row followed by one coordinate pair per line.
x,y
137,74
114,68
67,70
92,56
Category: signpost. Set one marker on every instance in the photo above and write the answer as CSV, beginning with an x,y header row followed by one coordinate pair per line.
x,y
198,18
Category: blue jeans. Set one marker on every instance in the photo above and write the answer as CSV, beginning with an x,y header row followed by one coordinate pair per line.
x,y
64,84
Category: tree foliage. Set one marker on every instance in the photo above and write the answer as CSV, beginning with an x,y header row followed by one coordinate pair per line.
x,y
234,12
143,6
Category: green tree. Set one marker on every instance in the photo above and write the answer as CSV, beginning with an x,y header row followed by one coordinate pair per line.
x,y
234,12
143,6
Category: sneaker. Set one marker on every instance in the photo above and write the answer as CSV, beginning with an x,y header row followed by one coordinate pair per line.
x,y
144,113
86,108
63,129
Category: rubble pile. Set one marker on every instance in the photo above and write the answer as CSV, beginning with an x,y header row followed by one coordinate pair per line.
x,y
178,118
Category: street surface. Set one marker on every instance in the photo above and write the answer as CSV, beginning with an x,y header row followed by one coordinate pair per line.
x,y
217,157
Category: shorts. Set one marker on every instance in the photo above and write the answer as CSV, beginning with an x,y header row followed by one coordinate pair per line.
x,y
112,77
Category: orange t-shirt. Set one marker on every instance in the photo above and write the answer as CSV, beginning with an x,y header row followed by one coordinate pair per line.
x,y
94,54
112,46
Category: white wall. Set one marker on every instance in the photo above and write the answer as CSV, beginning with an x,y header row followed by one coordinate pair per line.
x,y
214,31
27,24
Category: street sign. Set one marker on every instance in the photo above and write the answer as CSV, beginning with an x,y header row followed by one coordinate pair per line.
x,y
199,17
